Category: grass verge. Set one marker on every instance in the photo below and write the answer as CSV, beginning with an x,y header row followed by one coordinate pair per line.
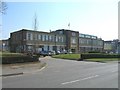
x,y
68,56
103,59
78,56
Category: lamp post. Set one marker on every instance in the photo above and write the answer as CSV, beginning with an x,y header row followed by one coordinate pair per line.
x,y
55,44
24,46
91,44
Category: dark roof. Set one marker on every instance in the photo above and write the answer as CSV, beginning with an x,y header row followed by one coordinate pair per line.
x,y
29,30
66,30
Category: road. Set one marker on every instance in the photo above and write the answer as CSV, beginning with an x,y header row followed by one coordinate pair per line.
x,y
60,73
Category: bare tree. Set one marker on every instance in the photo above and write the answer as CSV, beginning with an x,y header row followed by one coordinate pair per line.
x,y
3,7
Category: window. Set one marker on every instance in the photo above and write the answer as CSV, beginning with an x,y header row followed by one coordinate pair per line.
x,y
94,37
50,38
62,39
73,34
88,36
82,41
43,37
39,37
36,37
60,32
59,39
81,35
56,39
47,37
101,43
87,41
29,36
73,40
94,42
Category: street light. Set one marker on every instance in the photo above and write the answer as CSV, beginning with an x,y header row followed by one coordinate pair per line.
x,y
91,44
55,44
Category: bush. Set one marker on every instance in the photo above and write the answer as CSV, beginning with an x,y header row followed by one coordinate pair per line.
x,y
9,58
94,52
98,55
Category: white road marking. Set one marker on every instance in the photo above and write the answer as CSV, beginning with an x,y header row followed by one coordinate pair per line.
x,y
79,80
33,72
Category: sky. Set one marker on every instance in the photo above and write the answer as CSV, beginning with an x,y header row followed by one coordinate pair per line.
x,y
94,17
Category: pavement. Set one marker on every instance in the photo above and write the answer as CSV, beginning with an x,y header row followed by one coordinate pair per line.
x,y
21,68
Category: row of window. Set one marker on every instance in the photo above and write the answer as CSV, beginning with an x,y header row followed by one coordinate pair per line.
x,y
87,36
54,38
61,32
90,42
44,37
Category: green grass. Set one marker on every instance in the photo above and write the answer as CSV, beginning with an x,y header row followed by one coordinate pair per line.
x,y
103,59
67,56
77,56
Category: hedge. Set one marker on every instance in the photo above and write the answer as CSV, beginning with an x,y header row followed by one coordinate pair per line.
x,y
18,58
98,55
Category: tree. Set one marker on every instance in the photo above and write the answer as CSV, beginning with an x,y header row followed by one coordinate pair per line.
x,y
3,7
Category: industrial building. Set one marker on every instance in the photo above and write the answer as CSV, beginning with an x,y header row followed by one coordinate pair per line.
x,y
59,40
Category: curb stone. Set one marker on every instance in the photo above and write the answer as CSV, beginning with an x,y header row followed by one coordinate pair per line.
x,y
11,74
21,73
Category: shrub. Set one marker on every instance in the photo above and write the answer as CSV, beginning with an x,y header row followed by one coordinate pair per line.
x,y
94,52
98,55
9,58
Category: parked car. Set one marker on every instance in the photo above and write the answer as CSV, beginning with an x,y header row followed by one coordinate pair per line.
x,y
64,52
53,52
70,52
57,52
45,53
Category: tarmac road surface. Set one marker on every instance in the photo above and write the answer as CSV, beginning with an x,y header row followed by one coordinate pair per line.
x,y
60,73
